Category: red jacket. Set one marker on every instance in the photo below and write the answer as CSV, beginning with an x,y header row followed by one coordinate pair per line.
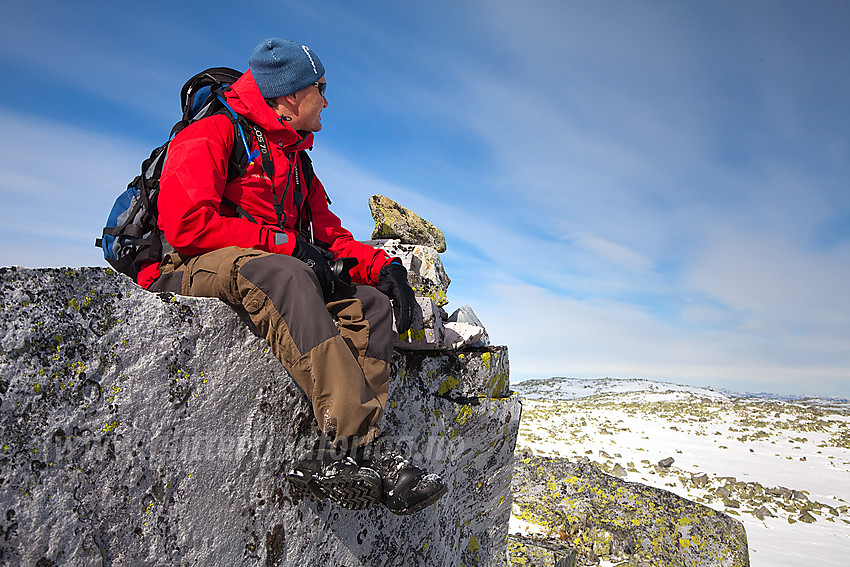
x,y
193,218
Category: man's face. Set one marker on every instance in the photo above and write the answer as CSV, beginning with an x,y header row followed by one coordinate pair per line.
x,y
307,110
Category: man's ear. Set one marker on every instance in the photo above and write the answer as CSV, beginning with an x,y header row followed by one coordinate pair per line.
x,y
290,98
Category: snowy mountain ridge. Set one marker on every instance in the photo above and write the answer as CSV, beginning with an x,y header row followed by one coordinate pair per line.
x,y
563,389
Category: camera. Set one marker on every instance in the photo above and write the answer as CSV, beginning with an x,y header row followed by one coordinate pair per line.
x,y
342,270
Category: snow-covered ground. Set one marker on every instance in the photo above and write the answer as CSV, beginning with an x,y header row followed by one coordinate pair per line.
x,y
781,467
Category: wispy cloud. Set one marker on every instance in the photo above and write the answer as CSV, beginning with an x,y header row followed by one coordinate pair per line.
x,y
549,333
679,217
653,189
776,280
57,186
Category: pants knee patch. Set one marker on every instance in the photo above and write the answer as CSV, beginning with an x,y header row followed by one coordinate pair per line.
x,y
286,283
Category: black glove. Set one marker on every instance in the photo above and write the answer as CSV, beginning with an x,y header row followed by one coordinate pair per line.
x,y
392,282
315,258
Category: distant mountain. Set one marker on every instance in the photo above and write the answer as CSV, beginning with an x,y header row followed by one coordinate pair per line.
x,y
820,401
562,389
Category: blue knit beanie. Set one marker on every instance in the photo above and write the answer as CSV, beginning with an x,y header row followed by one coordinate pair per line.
x,y
282,67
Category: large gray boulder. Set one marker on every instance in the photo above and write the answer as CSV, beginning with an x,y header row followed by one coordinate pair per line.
x,y
599,516
152,429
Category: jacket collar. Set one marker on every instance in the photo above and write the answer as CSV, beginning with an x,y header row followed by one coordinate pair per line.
x,y
245,98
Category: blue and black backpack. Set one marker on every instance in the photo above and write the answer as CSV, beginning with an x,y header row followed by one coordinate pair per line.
x,y
131,238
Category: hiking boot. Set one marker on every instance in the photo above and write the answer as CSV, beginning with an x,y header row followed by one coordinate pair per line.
x,y
329,474
406,489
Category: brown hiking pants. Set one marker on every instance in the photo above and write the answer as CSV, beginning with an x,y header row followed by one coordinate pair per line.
x,y
343,370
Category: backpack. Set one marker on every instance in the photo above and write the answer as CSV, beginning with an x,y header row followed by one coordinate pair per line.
x,y
131,238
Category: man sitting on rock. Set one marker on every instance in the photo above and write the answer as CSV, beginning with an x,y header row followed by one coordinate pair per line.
x,y
275,263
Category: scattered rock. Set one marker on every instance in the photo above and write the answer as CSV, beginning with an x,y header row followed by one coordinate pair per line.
x,y
807,518
465,314
699,479
619,471
780,491
428,331
666,463
394,221
464,335
763,513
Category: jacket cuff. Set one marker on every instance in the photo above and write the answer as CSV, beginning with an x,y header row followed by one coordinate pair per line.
x,y
378,263
281,242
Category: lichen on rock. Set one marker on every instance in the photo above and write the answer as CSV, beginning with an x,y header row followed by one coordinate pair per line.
x,y
600,515
396,222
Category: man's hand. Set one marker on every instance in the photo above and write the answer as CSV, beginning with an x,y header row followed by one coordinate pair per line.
x,y
314,258
392,281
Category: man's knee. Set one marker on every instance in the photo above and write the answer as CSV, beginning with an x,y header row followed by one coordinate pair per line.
x,y
278,275
295,296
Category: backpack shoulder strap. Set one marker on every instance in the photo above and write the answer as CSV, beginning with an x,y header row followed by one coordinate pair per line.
x,y
237,164
240,158
301,193
307,169
241,155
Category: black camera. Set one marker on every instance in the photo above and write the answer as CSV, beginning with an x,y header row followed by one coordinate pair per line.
x,y
342,270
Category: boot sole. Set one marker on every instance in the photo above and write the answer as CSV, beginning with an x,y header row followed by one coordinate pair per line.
x,y
356,491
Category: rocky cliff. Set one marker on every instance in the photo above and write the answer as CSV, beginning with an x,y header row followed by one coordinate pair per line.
x,y
152,429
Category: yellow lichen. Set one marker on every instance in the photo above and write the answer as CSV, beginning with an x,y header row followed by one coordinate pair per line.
x,y
486,358
449,383
463,415
412,335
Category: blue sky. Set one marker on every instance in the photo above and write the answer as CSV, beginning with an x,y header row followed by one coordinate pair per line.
x,y
627,188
